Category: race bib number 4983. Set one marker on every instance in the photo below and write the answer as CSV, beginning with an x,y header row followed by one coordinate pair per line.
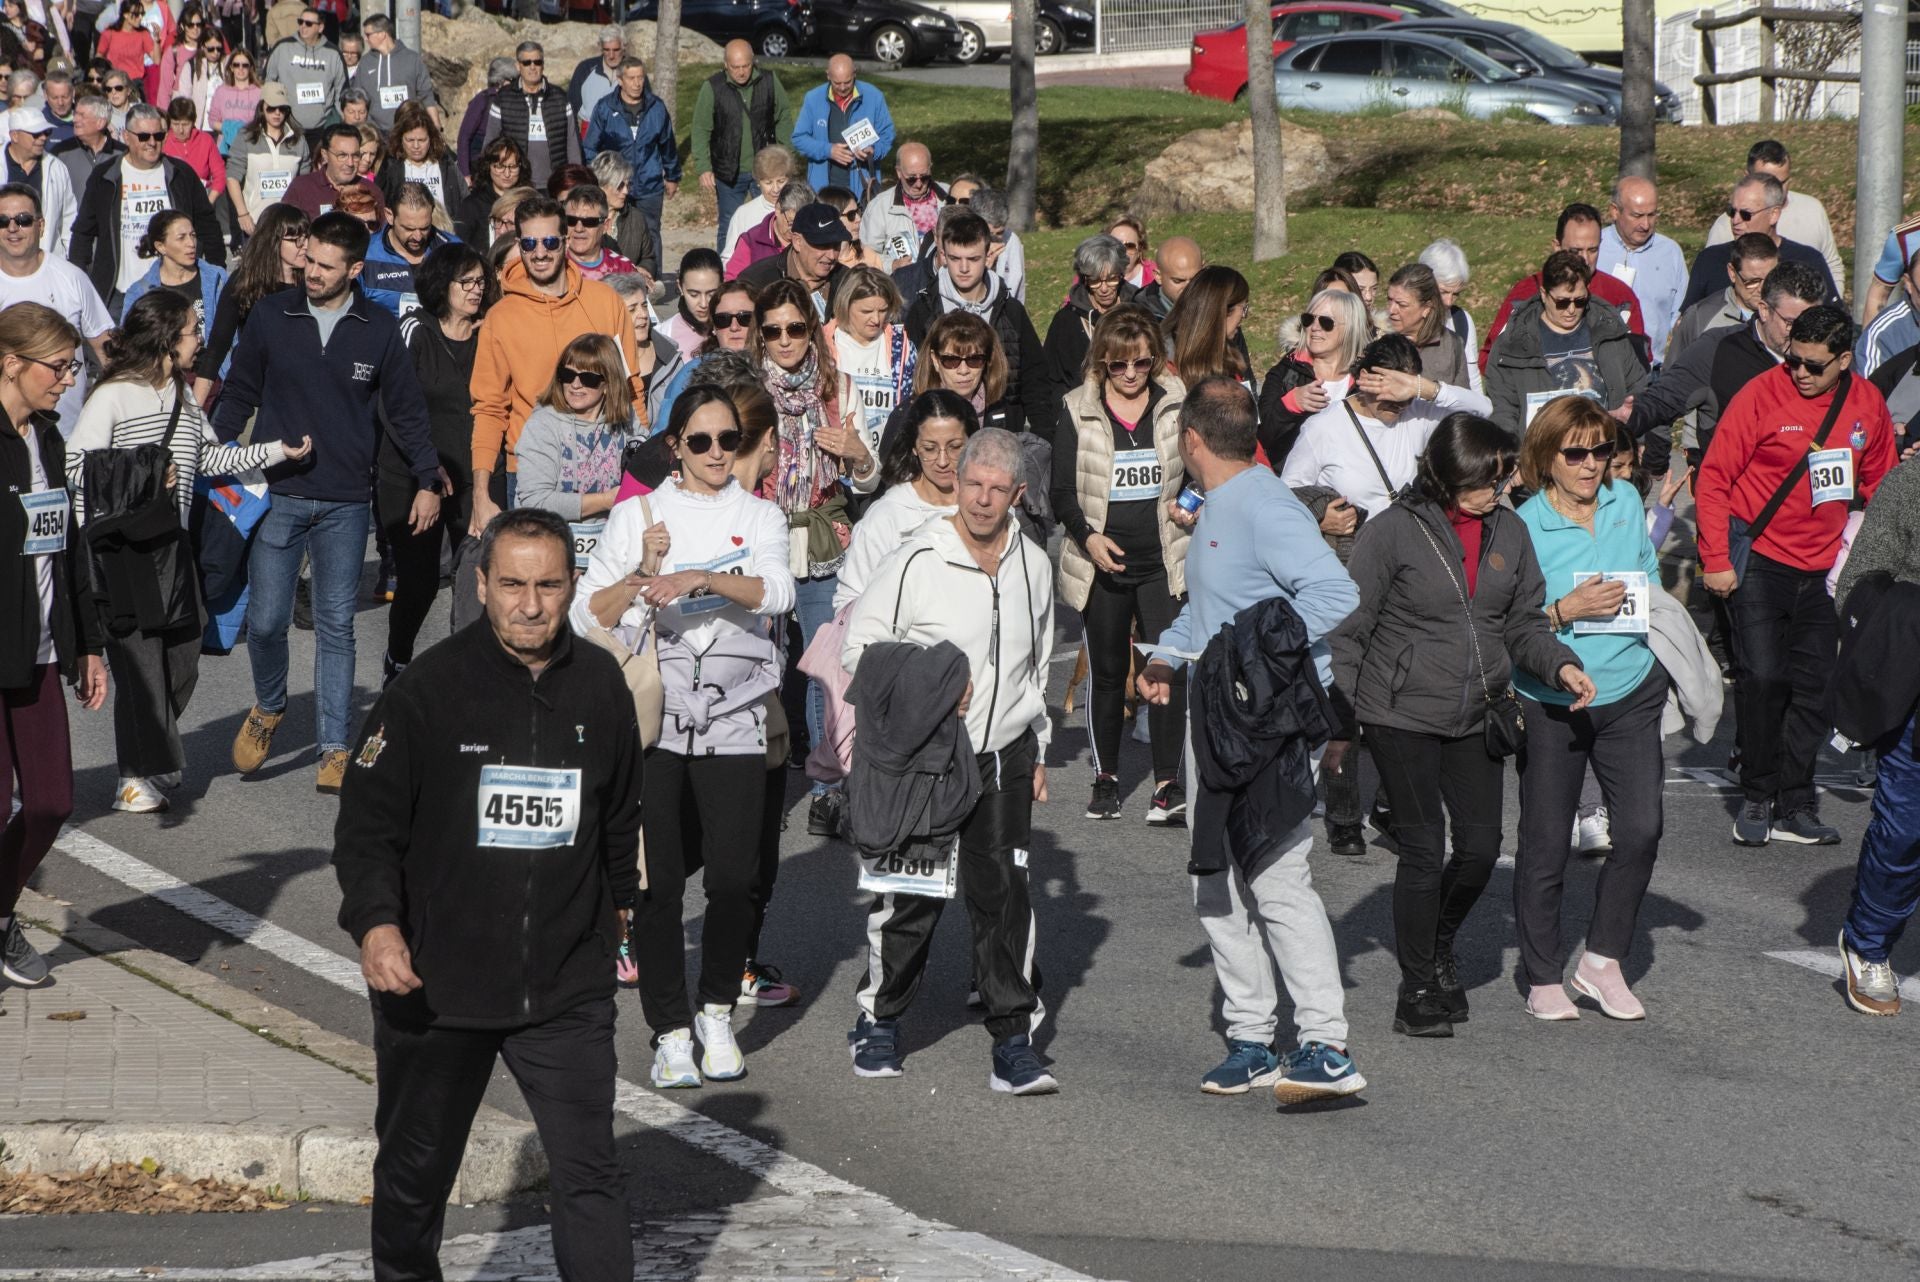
x,y
528,807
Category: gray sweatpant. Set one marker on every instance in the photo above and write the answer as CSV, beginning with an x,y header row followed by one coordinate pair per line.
x,y
1273,920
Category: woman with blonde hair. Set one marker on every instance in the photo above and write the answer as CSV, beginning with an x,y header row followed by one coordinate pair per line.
x,y
570,449
1132,235
876,359
1313,372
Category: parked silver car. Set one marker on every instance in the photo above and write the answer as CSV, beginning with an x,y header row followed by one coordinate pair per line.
x,y
1383,70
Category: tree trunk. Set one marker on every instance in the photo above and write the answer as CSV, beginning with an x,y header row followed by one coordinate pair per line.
x,y
1269,176
1023,155
1636,89
663,73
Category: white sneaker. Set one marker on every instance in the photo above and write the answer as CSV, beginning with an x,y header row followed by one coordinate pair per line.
x,y
139,797
720,1059
1593,832
673,1061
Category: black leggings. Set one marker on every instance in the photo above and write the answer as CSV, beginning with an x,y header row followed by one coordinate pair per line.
x,y
1111,613
729,847
416,565
772,815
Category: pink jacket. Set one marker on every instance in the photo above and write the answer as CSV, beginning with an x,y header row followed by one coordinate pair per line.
x,y
200,153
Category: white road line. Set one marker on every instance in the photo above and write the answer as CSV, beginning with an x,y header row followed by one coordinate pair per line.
x,y
1828,964
784,1171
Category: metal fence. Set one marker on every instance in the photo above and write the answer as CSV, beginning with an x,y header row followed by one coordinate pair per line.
x,y
1128,25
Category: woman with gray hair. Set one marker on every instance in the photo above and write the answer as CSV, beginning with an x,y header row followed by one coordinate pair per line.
x,y
771,234
1313,373
1100,285
1448,263
629,231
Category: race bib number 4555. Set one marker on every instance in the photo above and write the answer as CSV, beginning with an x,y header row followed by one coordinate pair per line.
x,y
528,807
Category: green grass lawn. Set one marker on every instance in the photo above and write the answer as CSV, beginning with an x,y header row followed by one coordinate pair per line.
x,y
1495,186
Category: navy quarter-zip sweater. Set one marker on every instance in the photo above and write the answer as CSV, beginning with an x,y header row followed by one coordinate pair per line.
x,y
326,394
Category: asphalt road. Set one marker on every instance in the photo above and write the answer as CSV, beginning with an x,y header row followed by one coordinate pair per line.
x,y
1752,1127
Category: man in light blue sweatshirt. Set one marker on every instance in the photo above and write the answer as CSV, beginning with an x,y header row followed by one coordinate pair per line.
x,y
1254,541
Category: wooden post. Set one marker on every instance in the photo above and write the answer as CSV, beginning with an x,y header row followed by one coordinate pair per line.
x,y
1709,107
1766,70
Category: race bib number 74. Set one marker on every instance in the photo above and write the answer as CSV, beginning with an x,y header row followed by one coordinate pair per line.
x,y
528,807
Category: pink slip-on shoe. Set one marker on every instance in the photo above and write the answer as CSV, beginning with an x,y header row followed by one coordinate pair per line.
x,y
1600,978
1550,1002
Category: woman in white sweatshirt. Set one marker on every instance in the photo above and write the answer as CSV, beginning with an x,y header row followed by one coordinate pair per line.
x,y
709,576
874,356
155,672
573,440
922,481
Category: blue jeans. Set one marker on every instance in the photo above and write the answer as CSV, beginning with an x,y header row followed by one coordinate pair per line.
x,y
813,606
729,197
333,536
1887,884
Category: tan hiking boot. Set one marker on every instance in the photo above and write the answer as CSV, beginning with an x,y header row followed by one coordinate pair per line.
x,y
255,740
333,772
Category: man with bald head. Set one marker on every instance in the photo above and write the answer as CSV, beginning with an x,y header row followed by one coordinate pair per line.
x,y
1177,261
899,219
740,110
1643,260
843,108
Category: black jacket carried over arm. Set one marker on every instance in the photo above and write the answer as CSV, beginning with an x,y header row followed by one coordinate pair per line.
x,y
914,779
501,936
1258,711
76,625
1875,681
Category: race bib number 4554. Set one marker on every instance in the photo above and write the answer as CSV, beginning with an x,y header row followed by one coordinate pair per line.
x,y
528,807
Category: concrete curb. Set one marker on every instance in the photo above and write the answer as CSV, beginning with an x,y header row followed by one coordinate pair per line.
x,y
329,1164
1064,62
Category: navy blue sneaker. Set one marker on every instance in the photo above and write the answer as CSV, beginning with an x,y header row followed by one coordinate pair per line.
x,y
1247,1065
1317,1071
875,1047
1017,1070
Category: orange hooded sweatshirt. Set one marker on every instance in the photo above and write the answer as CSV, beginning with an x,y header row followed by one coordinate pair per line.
x,y
519,348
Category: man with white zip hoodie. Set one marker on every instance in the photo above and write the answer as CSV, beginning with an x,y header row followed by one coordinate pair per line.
x,y
974,580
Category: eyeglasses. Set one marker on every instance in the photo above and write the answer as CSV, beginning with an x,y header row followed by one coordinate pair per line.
x,y
509,165
732,320
585,377
702,442
951,360
144,136
530,243
471,282
1309,320
61,369
792,329
533,62
584,220
298,236
939,449
1119,369
916,178
1575,455
1577,303
1131,246
116,88
1815,368
22,221
1105,282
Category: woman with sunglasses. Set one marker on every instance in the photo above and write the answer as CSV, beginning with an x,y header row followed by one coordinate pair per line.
x,y
1313,371
1556,343
709,578
1203,329
823,459
1417,313
49,631
502,168
265,158
144,400
182,68
571,445
455,288
232,102
731,331
875,358
127,44
1132,235
1450,605
275,258
1099,286
961,355
1122,563
1589,534
852,252
692,319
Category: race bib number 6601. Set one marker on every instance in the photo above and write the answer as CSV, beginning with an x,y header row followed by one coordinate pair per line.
x,y
528,807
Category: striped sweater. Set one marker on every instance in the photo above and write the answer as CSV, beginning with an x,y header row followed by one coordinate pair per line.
x,y
124,414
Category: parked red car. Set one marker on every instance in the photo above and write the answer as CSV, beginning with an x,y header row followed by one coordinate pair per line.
x,y
1217,62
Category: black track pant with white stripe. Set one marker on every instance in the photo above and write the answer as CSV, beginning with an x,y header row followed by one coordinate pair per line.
x,y
993,880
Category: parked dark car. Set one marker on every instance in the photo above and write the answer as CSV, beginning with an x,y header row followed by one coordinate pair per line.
x,y
776,28
1532,54
1064,25
887,31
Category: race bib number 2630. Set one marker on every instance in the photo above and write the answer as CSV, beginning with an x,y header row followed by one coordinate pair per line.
x,y
918,870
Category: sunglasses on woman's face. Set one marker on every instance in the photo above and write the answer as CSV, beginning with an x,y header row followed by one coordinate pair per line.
x,y
1815,368
1575,455
1310,319
1578,303
792,329
1120,369
732,320
702,442
952,360
585,377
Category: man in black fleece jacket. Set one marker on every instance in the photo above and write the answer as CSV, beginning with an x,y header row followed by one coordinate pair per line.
x,y
487,850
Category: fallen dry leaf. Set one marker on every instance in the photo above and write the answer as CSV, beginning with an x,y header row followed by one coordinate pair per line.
x,y
68,1016
126,1188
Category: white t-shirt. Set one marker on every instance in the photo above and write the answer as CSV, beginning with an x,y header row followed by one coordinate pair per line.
x,y
42,565
60,285
143,193
1330,453
866,381
428,175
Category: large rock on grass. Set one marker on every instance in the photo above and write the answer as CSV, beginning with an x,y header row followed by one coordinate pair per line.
x,y
458,49
1210,171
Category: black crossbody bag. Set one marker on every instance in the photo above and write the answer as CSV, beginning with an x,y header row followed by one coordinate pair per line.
x,y
1742,535
1506,724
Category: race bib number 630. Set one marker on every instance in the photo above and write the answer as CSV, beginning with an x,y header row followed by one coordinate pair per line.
x,y
528,807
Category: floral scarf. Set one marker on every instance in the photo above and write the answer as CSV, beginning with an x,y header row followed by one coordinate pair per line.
x,y
803,473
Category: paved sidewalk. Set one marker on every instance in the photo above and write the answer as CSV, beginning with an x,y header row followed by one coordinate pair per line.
x,y
113,1062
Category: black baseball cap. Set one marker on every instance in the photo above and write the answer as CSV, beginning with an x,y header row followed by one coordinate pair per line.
x,y
820,226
